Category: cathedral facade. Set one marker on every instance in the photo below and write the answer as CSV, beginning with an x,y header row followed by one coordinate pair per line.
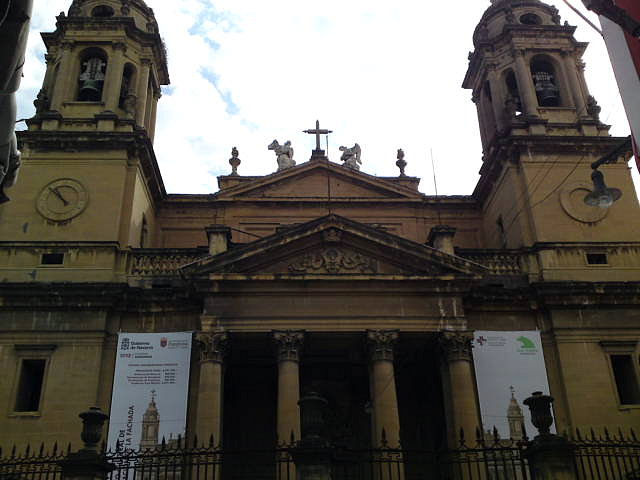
x,y
318,277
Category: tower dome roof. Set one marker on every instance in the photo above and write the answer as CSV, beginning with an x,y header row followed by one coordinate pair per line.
x,y
500,13
138,9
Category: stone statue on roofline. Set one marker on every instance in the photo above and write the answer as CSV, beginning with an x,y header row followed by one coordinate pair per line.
x,y
284,154
15,16
351,157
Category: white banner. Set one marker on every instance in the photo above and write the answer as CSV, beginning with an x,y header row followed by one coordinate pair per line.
x,y
150,389
508,364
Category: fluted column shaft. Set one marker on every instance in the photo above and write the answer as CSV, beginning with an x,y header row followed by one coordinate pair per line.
x,y
385,414
574,84
525,85
143,91
113,81
463,412
61,87
213,347
288,346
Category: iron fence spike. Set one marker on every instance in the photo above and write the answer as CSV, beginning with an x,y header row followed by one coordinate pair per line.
x,y
621,435
292,439
578,435
211,441
606,434
68,448
496,436
462,442
179,442
27,451
13,451
593,434
55,448
41,452
633,435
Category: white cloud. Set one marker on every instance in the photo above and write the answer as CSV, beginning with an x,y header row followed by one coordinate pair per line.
x,y
383,74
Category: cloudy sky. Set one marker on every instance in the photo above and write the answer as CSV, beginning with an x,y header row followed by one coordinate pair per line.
x,y
384,74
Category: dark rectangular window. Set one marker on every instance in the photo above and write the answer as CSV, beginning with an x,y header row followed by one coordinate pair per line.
x,y
626,379
30,385
597,259
52,258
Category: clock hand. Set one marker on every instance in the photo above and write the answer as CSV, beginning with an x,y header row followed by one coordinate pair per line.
x,y
59,195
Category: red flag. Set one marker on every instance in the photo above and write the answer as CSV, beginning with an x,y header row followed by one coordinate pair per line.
x,y
624,51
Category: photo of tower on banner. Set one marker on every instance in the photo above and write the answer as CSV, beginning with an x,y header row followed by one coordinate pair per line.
x,y
150,388
509,368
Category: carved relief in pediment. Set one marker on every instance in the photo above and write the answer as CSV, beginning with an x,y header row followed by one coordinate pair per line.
x,y
334,260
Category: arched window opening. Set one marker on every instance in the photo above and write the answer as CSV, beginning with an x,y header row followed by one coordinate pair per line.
x,y
530,19
102,11
545,81
513,103
92,75
127,89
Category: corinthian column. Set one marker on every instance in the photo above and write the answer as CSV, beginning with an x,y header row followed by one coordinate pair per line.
x,y
213,347
459,387
383,388
288,344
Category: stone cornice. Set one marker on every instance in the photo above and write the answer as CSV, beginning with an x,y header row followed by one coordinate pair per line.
x,y
137,143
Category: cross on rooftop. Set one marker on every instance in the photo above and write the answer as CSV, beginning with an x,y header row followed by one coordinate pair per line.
x,y
317,132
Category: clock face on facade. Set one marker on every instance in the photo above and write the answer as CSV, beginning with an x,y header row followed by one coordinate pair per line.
x,y
62,200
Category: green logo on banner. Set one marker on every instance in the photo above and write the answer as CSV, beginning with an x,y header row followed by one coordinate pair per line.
x,y
526,346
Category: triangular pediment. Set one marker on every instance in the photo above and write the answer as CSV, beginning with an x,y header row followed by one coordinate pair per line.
x,y
319,179
334,246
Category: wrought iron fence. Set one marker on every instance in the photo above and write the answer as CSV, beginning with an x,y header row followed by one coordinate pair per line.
x,y
596,457
40,464
177,461
607,456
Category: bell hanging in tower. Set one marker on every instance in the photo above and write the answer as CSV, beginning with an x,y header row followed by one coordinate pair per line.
x,y
547,91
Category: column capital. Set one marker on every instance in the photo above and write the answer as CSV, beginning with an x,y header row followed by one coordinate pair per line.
x,y
381,344
213,346
288,343
456,346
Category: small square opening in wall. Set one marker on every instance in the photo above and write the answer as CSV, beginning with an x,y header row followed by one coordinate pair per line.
x,y
597,259
52,259
30,385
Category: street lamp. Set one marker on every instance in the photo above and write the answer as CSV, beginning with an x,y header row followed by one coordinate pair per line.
x,y
602,196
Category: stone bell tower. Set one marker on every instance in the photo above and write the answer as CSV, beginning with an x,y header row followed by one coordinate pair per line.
x,y
540,129
89,169
105,65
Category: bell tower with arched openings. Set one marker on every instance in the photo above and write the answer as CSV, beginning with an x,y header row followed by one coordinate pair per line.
x,y
89,169
540,130
105,65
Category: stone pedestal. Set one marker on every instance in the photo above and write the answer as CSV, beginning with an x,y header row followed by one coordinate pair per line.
x,y
288,345
461,403
441,238
219,237
213,347
85,465
551,458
